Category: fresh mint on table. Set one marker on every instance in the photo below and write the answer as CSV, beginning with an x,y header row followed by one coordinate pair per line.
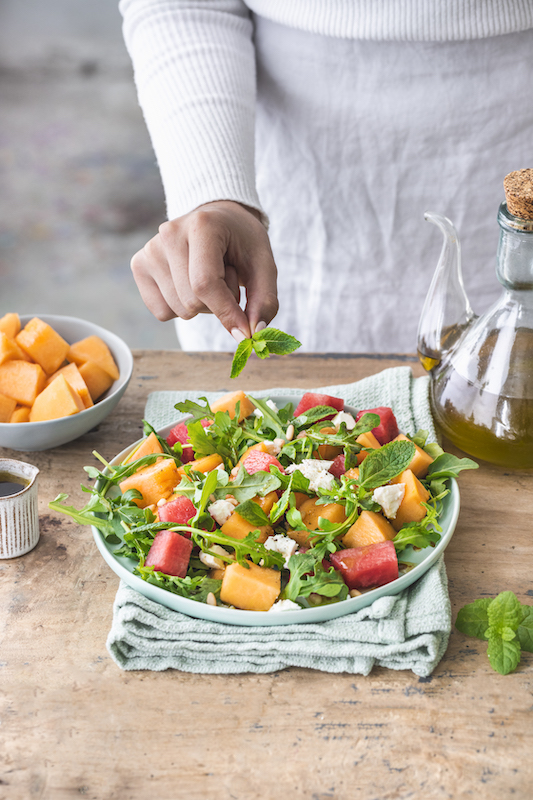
x,y
505,623
265,343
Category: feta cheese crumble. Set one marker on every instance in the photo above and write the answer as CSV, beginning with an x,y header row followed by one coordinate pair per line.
x,y
341,417
221,510
316,471
271,404
285,605
282,544
389,498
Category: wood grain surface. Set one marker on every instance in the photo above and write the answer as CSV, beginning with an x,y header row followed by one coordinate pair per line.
x,y
74,725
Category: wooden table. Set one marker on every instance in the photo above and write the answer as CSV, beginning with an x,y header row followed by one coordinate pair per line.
x,y
73,725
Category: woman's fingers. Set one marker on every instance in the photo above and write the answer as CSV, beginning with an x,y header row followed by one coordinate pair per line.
x,y
197,264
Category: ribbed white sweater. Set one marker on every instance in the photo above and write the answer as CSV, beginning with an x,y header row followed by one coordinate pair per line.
x,y
195,72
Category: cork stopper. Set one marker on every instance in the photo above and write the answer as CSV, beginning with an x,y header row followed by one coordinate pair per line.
x,y
518,188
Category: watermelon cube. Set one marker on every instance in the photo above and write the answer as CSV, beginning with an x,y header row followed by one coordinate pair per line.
x,y
170,553
387,430
179,511
257,460
338,467
312,399
369,566
179,433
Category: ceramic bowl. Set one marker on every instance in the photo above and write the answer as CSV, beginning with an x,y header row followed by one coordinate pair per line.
x,y
421,561
33,436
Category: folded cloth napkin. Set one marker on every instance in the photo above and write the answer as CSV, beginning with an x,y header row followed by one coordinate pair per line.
x,y
409,630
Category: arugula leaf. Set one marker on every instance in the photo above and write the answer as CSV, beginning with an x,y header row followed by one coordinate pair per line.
x,y
312,415
194,588
308,576
449,466
244,549
84,516
380,466
270,417
269,341
208,488
195,410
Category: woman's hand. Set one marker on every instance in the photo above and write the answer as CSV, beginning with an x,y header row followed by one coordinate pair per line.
x,y
197,263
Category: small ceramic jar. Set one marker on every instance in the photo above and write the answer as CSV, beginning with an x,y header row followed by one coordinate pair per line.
x,y
19,519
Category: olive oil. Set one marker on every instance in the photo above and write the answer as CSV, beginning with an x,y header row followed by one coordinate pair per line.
x,y
496,427
11,484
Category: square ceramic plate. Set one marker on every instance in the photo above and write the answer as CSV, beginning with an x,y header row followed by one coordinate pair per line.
x,y
423,559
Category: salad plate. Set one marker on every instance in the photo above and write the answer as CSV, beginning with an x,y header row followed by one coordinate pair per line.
x,y
420,559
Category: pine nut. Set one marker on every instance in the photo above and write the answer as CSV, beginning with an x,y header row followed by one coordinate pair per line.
x,y
290,432
211,599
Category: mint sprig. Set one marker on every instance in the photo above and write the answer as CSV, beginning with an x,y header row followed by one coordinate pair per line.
x,y
505,623
265,343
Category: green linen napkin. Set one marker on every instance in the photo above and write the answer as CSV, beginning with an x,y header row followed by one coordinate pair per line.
x,y
409,630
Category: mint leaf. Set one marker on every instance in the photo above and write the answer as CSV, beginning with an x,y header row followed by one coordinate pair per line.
x,y
472,619
524,631
242,354
252,513
504,612
504,655
265,343
277,342
380,466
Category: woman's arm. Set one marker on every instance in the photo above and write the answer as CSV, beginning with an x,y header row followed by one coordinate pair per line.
x,y
195,74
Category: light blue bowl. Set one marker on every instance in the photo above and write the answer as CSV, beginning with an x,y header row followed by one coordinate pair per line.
x,y
423,559
33,436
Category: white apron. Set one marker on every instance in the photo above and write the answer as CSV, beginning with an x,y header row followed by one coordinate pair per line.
x,y
355,140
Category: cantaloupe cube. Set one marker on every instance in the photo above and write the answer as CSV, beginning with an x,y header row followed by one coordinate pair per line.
x,y
299,499
217,574
93,348
22,381
154,482
229,403
20,414
352,474
7,407
204,464
43,344
9,349
410,509
421,460
97,380
238,528
310,511
58,399
10,324
366,440
328,451
74,377
370,527
266,502
148,446
253,589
